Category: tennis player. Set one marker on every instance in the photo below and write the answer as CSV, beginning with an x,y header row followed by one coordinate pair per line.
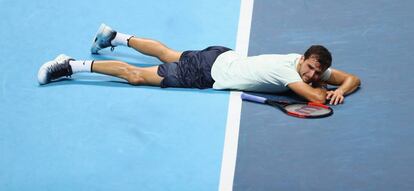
x,y
214,67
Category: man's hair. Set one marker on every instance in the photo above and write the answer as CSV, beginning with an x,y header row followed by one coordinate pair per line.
x,y
321,54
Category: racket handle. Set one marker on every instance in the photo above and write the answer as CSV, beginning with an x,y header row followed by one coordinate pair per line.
x,y
253,98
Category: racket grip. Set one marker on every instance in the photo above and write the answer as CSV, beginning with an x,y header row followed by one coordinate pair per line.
x,y
253,98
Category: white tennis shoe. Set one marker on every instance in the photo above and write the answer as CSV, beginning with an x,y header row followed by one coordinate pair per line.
x,y
103,39
54,69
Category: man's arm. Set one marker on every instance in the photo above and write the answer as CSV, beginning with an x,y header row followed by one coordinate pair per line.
x,y
347,83
313,94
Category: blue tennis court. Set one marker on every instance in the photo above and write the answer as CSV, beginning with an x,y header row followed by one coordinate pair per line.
x,y
94,132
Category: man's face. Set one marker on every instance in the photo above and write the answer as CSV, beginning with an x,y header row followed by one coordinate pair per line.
x,y
310,70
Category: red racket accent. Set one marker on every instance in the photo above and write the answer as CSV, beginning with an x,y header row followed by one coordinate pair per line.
x,y
318,104
296,115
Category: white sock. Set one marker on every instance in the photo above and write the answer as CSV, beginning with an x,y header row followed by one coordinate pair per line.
x,y
121,39
81,65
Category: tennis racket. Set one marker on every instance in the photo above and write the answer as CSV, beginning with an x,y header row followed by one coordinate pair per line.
x,y
296,109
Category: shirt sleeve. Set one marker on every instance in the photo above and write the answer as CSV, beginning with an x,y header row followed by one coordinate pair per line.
x,y
326,75
287,75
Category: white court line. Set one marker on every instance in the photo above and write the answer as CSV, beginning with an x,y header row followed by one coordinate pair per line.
x,y
228,164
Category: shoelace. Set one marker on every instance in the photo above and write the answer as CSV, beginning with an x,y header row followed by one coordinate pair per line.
x,y
58,70
110,39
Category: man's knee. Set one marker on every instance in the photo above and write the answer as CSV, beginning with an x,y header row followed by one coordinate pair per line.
x,y
135,81
135,77
144,76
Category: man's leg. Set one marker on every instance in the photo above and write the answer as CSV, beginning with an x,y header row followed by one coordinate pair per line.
x,y
154,48
64,65
107,37
133,74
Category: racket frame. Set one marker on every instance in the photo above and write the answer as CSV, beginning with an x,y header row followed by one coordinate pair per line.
x,y
282,104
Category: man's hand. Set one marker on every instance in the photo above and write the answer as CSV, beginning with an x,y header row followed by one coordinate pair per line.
x,y
335,97
347,84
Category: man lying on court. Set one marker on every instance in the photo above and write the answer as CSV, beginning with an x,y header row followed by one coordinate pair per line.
x,y
214,67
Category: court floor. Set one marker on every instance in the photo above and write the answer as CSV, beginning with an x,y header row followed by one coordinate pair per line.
x,y
93,132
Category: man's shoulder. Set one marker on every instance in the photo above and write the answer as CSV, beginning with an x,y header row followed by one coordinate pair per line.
x,y
278,58
282,55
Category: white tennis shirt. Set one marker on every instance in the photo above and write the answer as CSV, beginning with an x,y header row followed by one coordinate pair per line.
x,y
263,73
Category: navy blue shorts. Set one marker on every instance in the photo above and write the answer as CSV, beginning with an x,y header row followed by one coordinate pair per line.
x,y
193,70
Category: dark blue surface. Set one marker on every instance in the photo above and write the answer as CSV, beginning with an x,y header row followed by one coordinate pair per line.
x,y
368,143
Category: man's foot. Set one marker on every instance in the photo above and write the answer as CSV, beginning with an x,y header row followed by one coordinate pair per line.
x,y
103,39
55,69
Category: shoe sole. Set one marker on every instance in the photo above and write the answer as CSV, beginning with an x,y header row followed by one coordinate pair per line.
x,y
95,48
42,76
